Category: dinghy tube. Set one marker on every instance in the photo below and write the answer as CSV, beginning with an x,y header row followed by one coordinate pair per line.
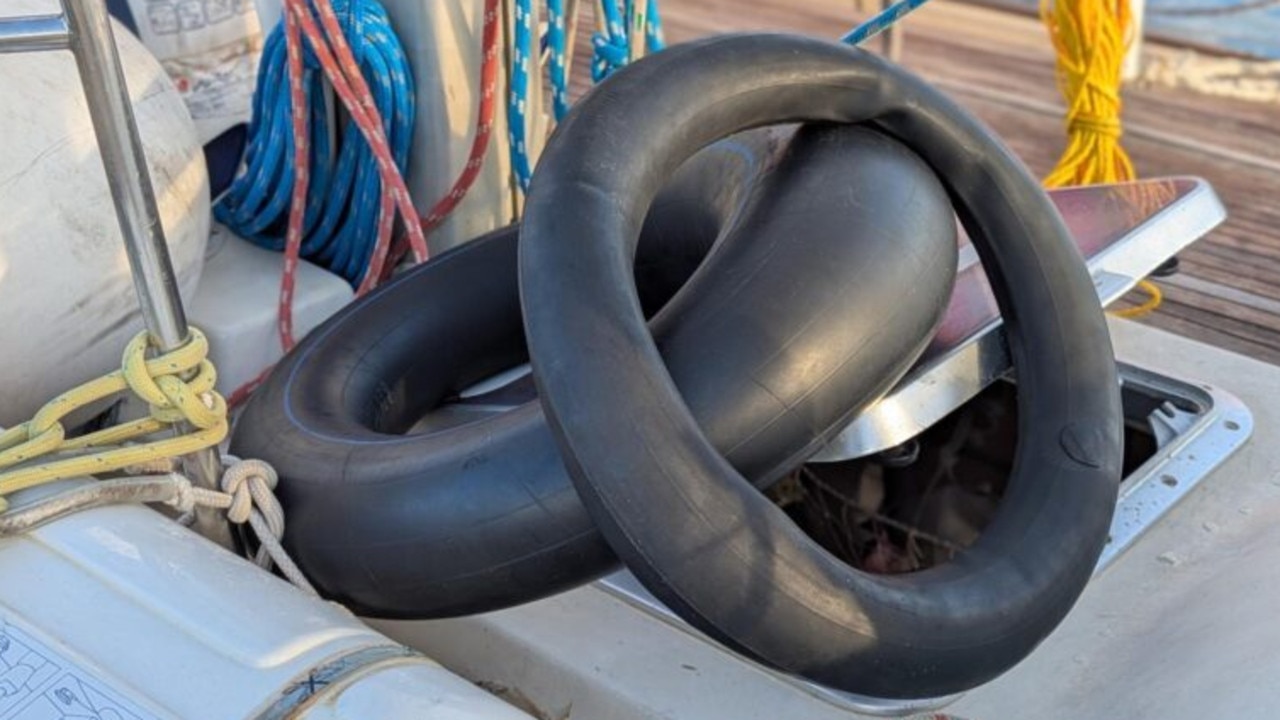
x,y
776,340
686,522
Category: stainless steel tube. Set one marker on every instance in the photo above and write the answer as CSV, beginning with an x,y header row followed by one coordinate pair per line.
x,y
33,34
93,45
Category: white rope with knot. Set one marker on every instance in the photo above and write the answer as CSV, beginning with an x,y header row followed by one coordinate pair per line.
x,y
247,496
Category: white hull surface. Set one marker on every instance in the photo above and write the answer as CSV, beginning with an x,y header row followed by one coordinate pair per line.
x,y
121,614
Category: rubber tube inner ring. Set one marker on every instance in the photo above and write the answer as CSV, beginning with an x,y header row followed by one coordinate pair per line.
x,y
695,532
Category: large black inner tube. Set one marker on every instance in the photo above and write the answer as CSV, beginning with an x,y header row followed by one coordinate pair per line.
x,y
695,533
763,338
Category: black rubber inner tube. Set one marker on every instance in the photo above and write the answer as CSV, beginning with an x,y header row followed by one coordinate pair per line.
x,y
475,516
695,533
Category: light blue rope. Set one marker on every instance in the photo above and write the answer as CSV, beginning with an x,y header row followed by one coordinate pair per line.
x,y
611,46
610,54
522,60
881,21
340,225
558,42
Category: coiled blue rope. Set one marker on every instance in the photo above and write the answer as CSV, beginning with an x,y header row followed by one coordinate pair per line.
x,y
611,53
340,224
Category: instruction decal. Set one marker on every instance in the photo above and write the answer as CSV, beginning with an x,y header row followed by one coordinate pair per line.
x,y
210,49
37,683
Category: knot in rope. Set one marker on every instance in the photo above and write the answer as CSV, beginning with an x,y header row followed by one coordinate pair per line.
x,y
611,53
159,381
624,35
247,497
1104,125
248,486
251,483
184,493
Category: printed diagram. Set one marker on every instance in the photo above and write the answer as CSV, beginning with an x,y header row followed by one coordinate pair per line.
x,y
168,17
73,699
36,684
23,671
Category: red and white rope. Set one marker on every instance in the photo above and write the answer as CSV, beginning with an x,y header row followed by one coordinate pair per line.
x,y
483,131
302,178
335,57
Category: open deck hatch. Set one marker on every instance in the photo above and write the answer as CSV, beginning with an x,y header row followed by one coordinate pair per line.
x,y
915,477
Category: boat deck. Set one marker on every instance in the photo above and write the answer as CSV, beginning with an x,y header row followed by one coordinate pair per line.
x,y
1000,66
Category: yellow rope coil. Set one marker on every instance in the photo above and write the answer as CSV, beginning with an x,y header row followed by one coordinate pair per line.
x,y
158,381
1090,38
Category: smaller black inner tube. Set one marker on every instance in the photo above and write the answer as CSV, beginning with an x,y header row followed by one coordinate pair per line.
x,y
476,516
698,535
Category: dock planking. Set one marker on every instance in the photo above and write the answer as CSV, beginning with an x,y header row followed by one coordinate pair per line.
x,y
999,65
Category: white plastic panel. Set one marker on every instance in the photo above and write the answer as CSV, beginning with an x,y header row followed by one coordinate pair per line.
x,y
143,613
237,305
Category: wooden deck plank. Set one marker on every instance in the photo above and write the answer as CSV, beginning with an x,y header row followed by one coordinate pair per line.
x,y
999,65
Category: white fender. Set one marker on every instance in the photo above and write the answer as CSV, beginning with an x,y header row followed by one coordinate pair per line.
x,y
67,300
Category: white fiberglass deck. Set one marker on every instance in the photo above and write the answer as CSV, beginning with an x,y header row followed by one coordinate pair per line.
x,y
1179,627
